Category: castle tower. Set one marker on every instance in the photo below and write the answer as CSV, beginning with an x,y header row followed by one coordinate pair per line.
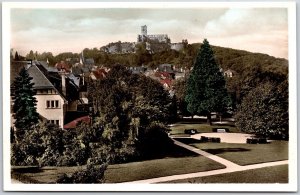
x,y
144,30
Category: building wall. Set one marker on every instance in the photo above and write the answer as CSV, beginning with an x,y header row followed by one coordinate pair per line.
x,y
51,113
176,46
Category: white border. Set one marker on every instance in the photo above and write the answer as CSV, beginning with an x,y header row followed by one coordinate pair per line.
x,y
291,186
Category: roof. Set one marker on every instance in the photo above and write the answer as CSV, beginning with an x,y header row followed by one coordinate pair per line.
x,y
75,79
89,61
73,118
77,70
166,81
62,65
46,66
38,78
100,73
73,124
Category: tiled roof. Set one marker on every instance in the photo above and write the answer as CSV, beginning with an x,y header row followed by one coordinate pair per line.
x,y
166,81
73,124
62,66
38,78
100,73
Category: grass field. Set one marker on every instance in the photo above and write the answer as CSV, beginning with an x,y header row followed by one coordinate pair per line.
x,y
159,168
179,128
125,172
276,174
245,154
177,161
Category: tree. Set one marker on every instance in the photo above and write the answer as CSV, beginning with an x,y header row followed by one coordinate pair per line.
x,y
24,103
180,92
129,107
30,56
17,58
264,111
206,90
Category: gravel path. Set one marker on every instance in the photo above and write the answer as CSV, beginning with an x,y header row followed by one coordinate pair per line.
x,y
239,138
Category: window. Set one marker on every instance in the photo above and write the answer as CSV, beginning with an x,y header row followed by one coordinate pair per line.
x,y
52,104
55,122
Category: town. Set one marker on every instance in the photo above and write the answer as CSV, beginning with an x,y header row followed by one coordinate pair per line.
x,y
176,105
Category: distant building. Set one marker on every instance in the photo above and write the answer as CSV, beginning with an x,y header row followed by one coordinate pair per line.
x,y
144,37
229,73
177,46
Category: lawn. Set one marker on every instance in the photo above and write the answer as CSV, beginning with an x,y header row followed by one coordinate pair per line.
x,y
276,174
159,168
178,128
177,161
245,154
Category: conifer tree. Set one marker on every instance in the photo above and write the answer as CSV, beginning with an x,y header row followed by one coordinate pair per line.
x,y
206,90
24,108
17,58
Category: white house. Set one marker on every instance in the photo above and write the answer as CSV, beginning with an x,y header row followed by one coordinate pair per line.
x,y
53,100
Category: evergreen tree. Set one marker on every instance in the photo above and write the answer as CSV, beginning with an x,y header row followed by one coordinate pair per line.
x,y
24,103
206,90
17,58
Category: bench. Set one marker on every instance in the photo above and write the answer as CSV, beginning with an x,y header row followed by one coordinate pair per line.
x,y
220,130
256,141
210,139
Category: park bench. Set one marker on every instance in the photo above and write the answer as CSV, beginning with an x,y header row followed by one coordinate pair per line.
x,y
210,139
255,140
220,130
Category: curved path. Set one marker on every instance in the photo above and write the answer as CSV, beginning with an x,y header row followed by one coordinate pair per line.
x,y
230,167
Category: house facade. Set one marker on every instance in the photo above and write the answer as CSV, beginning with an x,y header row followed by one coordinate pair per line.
x,y
57,94
51,103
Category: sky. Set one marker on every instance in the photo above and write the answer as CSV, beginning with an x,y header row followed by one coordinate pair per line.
x,y
263,30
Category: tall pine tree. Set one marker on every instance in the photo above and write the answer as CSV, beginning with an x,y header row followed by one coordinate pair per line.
x,y
24,108
206,90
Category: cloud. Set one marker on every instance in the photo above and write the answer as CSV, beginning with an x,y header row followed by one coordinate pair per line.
x,y
245,21
257,30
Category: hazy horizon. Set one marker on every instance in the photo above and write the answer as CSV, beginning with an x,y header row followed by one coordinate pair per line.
x,y
262,30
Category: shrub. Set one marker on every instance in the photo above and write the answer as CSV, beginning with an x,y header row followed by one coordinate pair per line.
x,y
154,141
91,174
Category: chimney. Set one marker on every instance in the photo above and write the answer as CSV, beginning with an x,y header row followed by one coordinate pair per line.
x,y
63,82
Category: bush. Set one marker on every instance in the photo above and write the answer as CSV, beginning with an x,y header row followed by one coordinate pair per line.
x,y
154,142
91,174
190,131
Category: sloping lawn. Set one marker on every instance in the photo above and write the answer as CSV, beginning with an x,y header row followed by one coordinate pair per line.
x,y
179,128
124,172
177,161
159,168
245,154
276,174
